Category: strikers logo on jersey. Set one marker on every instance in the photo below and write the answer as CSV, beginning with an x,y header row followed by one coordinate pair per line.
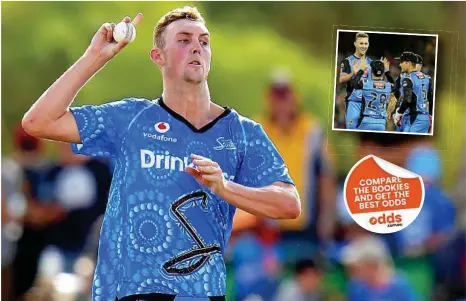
x,y
420,75
379,85
162,127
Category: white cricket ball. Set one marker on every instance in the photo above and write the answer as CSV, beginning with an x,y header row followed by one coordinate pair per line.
x,y
124,30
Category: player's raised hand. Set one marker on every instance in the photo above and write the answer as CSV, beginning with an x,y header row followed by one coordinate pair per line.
x,y
386,63
363,65
208,173
103,44
356,66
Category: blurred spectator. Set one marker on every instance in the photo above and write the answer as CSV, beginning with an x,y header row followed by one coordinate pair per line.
x,y
372,274
39,213
9,237
255,256
306,284
433,233
81,185
435,224
85,265
63,201
349,230
300,139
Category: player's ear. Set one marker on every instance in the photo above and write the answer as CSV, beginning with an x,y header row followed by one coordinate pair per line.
x,y
157,56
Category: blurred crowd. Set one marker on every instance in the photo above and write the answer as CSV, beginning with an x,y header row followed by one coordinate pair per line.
x,y
426,50
52,210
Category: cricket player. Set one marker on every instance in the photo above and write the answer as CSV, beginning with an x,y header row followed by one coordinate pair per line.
x,y
183,165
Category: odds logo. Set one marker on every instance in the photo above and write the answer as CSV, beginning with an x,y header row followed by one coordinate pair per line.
x,y
382,197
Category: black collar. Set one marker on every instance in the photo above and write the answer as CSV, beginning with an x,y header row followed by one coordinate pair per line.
x,y
188,124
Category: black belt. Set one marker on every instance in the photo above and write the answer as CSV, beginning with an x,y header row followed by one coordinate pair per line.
x,y
161,297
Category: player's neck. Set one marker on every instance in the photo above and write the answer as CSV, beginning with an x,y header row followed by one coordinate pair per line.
x,y
359,55
192,102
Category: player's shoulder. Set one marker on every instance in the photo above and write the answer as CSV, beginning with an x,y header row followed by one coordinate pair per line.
x,y
419,75
129,103
243,121
408,81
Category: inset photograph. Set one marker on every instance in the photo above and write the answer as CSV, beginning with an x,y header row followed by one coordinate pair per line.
x,y
385,82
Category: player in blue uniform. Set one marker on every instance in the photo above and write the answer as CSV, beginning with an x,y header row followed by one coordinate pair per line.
x,y
419,64
182,166
398,125
398,90
348,69
375,97
416,93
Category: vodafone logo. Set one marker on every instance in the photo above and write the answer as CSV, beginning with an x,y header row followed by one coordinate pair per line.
x,y
162,127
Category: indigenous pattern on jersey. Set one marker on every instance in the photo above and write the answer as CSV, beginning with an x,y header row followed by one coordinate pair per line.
x,y
163,232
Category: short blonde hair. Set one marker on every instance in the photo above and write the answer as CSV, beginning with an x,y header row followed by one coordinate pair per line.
x,y
187,12
361,35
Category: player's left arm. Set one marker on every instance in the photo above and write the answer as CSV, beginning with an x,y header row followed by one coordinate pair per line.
x,y
279,200
407,99
407,85
262,185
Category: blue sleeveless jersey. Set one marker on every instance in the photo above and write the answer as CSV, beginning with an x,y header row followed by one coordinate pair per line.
x,y
421,85
376,95
163,232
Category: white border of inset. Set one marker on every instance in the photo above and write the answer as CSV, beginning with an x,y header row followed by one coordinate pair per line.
x,y
336,76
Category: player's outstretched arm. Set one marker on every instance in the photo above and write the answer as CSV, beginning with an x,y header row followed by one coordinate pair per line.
x,y
49,117
279,200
